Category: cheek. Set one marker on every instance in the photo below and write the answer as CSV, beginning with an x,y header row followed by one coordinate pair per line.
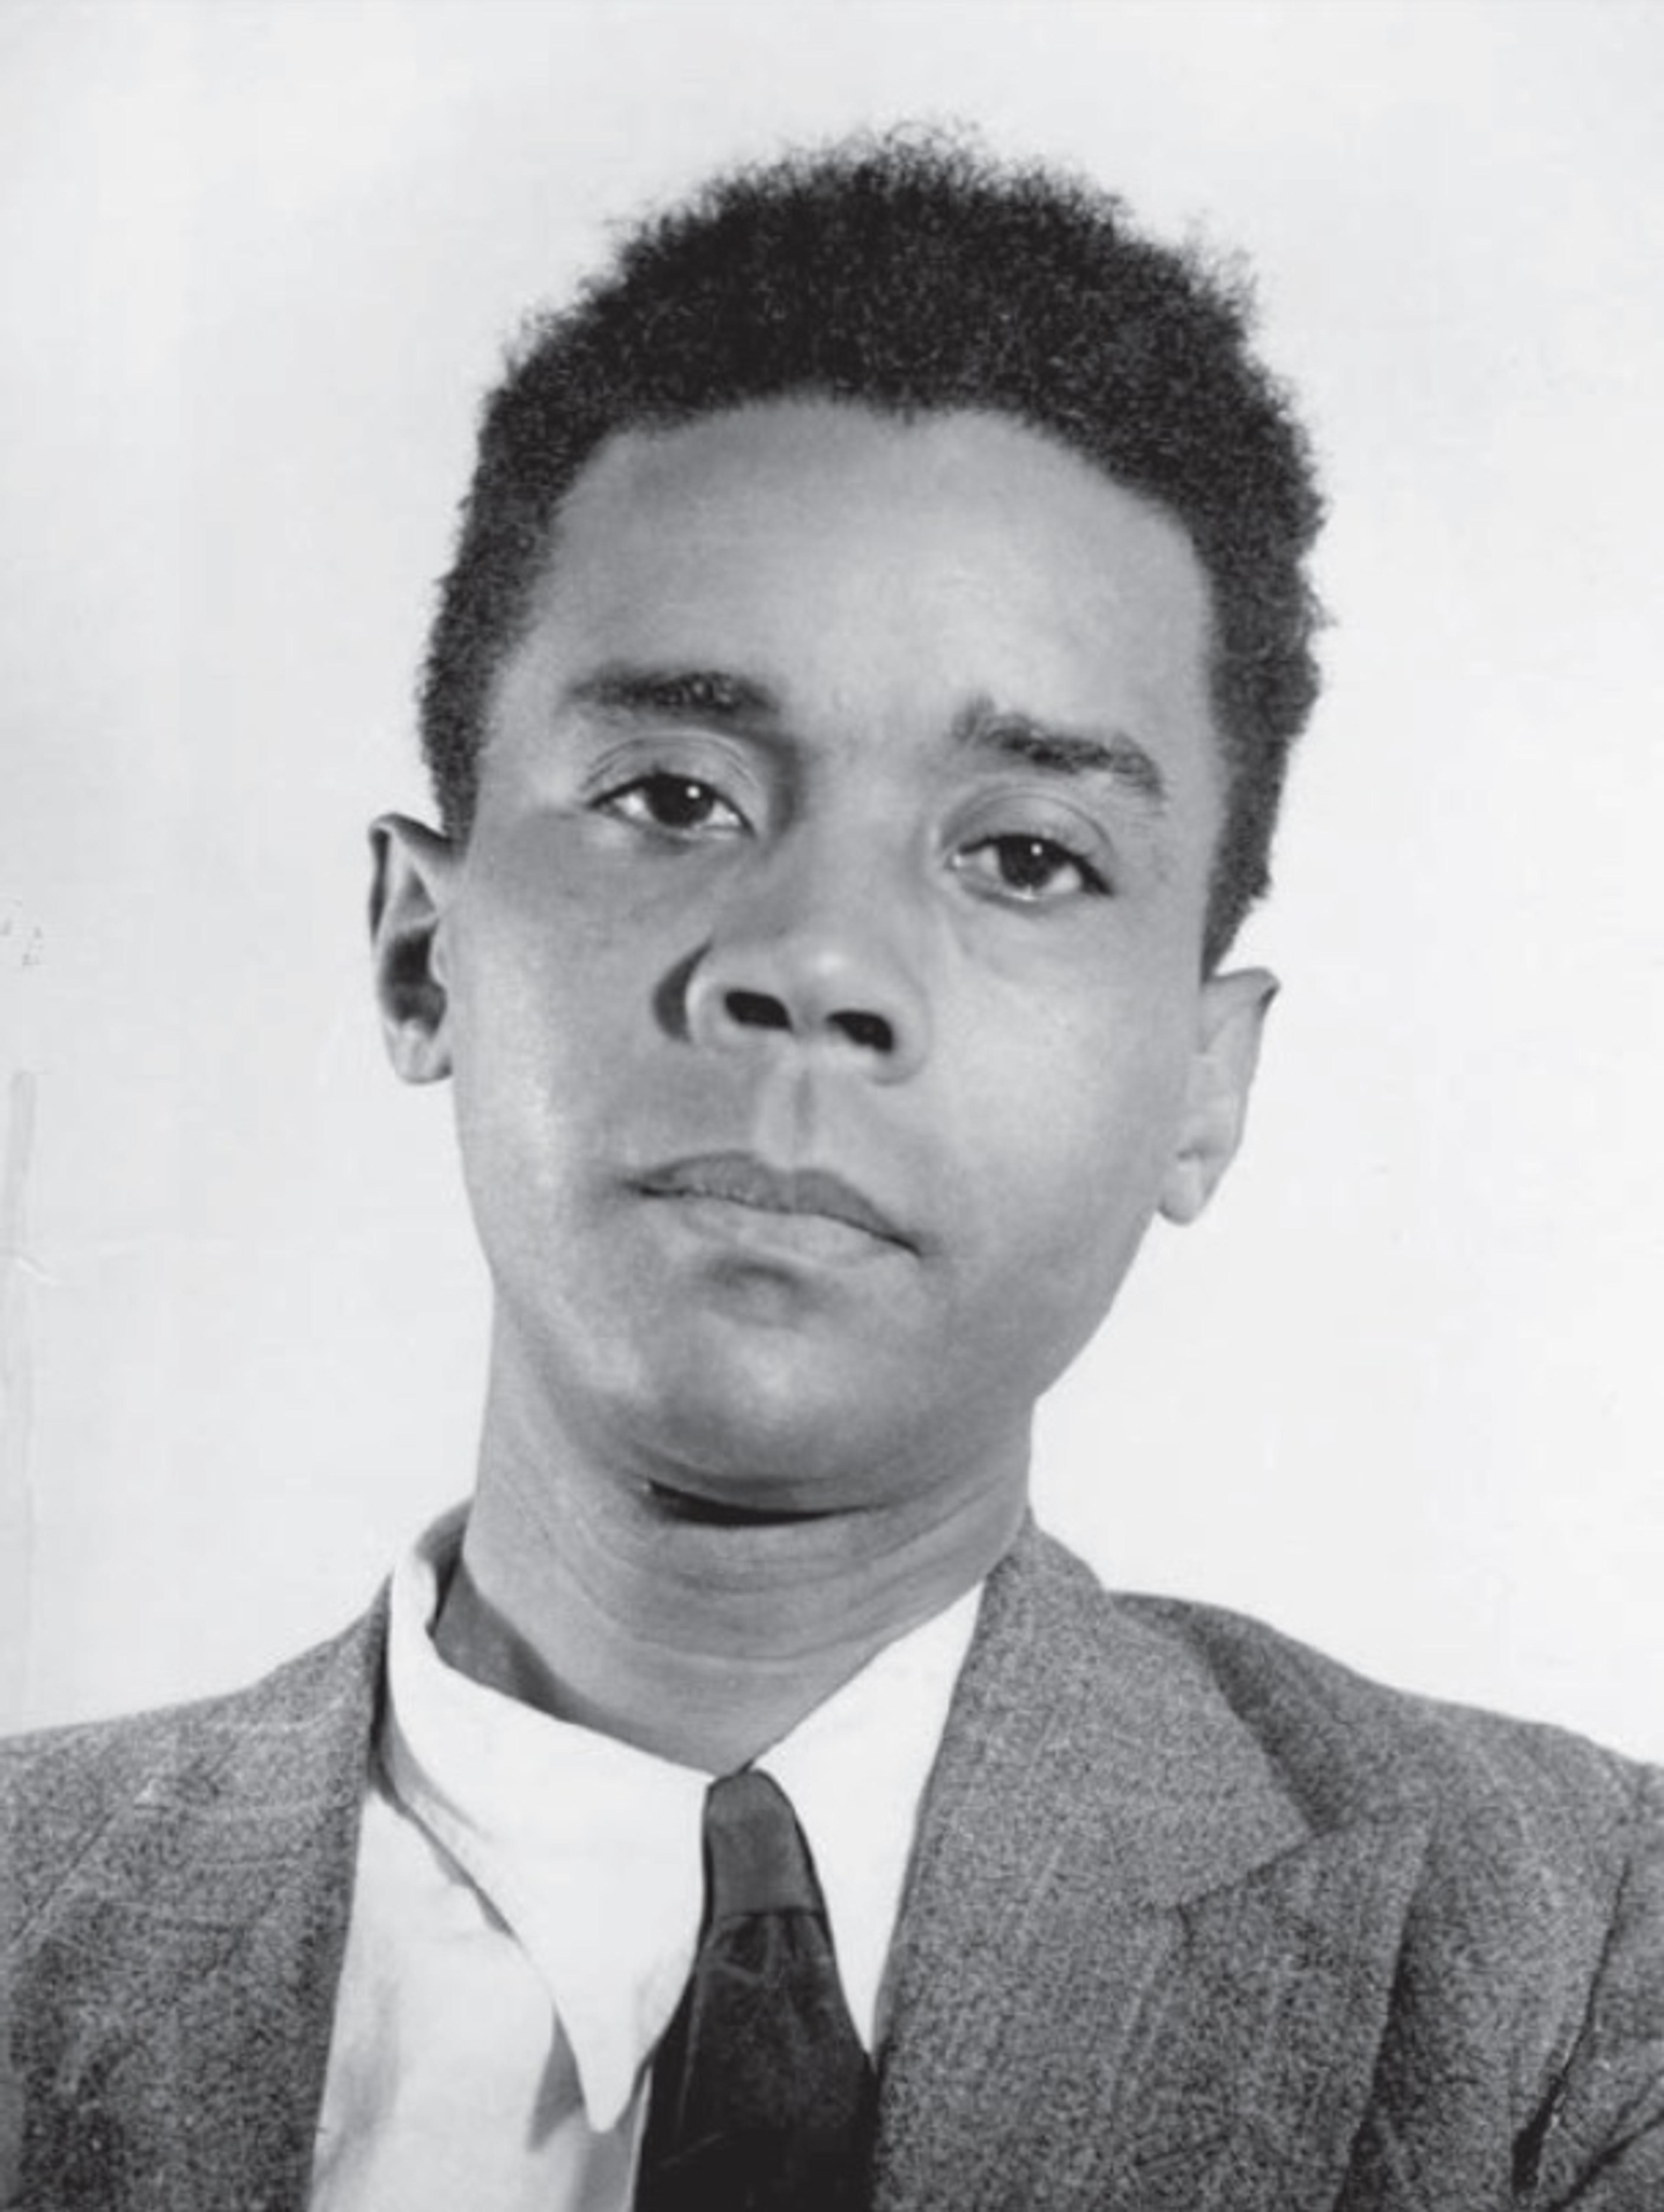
x,y
1092,1071
533,953
524,1013
1073,1135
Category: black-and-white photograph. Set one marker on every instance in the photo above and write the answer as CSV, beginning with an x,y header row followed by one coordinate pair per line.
x,y
705,710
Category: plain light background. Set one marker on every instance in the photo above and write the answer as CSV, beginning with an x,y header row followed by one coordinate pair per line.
x,y
1402,1392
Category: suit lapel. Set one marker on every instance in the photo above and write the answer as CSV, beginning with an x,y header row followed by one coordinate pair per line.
x,y
1127,1973
207,1925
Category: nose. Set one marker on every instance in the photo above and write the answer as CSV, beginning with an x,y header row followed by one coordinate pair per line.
x,y
824,971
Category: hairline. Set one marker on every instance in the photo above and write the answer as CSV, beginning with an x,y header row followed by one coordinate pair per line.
x,y
650,424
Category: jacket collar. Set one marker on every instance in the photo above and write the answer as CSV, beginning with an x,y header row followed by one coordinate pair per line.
x,y
1130,1971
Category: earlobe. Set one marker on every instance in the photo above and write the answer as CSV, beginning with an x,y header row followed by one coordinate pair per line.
x,y
1231,1022
415,873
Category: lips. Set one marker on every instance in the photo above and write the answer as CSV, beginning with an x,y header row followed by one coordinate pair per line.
x,y
741,1179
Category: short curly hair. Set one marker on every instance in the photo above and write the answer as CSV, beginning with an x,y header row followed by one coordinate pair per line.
x,y
912,274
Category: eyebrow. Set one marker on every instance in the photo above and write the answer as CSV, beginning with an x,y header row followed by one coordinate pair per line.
x,y
1007,734
720,698
704,694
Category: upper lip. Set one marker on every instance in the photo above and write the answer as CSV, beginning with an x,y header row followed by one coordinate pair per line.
x,y
744,1180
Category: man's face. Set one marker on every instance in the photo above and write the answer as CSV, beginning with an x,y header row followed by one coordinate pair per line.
x,y
821,980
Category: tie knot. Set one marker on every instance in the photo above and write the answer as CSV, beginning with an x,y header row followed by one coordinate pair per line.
x,y
756,1857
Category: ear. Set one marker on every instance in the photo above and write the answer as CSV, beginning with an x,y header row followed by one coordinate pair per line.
x,y
1231,1021
415,875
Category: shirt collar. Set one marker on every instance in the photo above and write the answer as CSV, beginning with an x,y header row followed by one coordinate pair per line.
x,y
589,1848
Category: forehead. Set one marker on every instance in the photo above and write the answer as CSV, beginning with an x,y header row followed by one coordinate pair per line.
x,y
884,571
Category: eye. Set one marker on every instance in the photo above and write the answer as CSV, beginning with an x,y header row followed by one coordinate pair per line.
x,y
680,805
1035,870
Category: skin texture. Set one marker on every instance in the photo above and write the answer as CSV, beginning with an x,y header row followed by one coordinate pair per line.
x,y
847,812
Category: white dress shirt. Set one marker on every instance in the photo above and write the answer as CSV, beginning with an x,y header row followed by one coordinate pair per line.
x,y
527,1905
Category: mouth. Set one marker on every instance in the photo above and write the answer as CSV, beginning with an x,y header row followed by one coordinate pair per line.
x,y
742,1180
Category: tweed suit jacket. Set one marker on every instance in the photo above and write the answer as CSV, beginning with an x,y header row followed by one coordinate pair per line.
x,y
1196,1919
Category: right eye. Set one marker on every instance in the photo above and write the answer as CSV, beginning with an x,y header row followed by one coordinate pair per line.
x,y
678,806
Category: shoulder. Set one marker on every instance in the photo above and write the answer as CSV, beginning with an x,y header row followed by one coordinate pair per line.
x,y
300,1728
1536,1926
1531,1940
1345,1746
1544,1865
1541,1845
175,1889
1342,1745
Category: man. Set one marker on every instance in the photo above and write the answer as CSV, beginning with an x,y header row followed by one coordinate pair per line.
x,y
858,710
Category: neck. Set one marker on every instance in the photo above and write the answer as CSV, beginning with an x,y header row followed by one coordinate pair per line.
x,y
611,1599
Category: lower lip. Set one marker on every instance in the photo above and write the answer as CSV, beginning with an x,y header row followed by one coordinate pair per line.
x,y
767,1235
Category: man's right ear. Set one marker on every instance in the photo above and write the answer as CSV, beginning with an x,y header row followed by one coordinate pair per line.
x,y
416,874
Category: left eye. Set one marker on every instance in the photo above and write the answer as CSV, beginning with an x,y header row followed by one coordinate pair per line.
x,y
1031,868
679,804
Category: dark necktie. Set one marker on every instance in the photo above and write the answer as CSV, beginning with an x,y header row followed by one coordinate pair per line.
x,y
762,2099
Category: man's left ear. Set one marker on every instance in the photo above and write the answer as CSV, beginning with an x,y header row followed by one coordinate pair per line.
x,y
1229,1022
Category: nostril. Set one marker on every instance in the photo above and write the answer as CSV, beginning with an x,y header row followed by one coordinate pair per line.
x,y
870,1031
756,1010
